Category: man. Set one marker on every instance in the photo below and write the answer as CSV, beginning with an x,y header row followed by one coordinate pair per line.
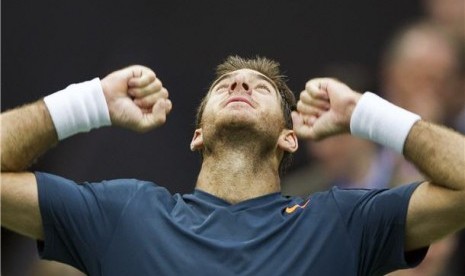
x,y
236,222
422,72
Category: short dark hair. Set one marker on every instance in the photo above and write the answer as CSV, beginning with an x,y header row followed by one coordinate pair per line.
x,y
269,68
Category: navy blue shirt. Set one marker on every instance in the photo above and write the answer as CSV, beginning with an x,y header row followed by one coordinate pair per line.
x,y
132,227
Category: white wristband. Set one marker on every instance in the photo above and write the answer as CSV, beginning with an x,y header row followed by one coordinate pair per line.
x,y
380,121
78,108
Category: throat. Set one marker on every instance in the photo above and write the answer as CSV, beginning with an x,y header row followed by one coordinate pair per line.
x,y
240,160
236,175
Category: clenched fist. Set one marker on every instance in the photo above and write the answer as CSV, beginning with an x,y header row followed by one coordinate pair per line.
x,y
136,98
324,109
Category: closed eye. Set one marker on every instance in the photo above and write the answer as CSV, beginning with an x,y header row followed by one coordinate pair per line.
x,y
221,87
263,87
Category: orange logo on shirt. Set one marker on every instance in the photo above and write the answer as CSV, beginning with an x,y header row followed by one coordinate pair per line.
x,y
290,210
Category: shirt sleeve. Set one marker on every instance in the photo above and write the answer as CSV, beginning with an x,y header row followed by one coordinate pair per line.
x,y
376,220
79,219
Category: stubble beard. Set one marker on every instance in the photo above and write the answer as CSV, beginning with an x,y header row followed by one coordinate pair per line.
x,y
257,138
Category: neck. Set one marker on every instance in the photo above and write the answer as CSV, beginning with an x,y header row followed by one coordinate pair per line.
x,y
236,173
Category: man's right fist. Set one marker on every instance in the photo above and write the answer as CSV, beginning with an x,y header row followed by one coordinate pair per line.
x,y
136,99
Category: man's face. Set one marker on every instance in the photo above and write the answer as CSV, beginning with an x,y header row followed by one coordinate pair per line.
x,y
244,108
243,98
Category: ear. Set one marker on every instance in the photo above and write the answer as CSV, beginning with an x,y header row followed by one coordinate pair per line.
x,y
287,141
197,140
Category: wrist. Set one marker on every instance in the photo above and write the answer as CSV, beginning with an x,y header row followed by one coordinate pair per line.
x,y
351,108
78,108
381,121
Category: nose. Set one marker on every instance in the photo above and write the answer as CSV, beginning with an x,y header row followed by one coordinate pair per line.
x,y
239,85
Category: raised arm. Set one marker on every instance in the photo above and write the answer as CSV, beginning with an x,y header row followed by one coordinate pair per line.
x,y
437,207
132,98
27,132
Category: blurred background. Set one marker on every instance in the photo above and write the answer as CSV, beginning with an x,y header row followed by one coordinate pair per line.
x,y
411,52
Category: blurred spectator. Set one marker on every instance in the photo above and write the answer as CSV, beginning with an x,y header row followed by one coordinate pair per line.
x,y
334,165
422,71
448,13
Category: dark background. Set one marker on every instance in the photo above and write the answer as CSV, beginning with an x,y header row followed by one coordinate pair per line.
x,y
47,45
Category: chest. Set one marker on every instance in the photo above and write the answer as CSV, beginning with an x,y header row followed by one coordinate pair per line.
x,y
178,242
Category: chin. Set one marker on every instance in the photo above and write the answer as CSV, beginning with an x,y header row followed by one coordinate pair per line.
x,y
237,122
236,117
225,125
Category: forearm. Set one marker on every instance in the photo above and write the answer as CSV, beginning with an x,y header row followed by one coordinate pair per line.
x,y
26,133
29,131
439,153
